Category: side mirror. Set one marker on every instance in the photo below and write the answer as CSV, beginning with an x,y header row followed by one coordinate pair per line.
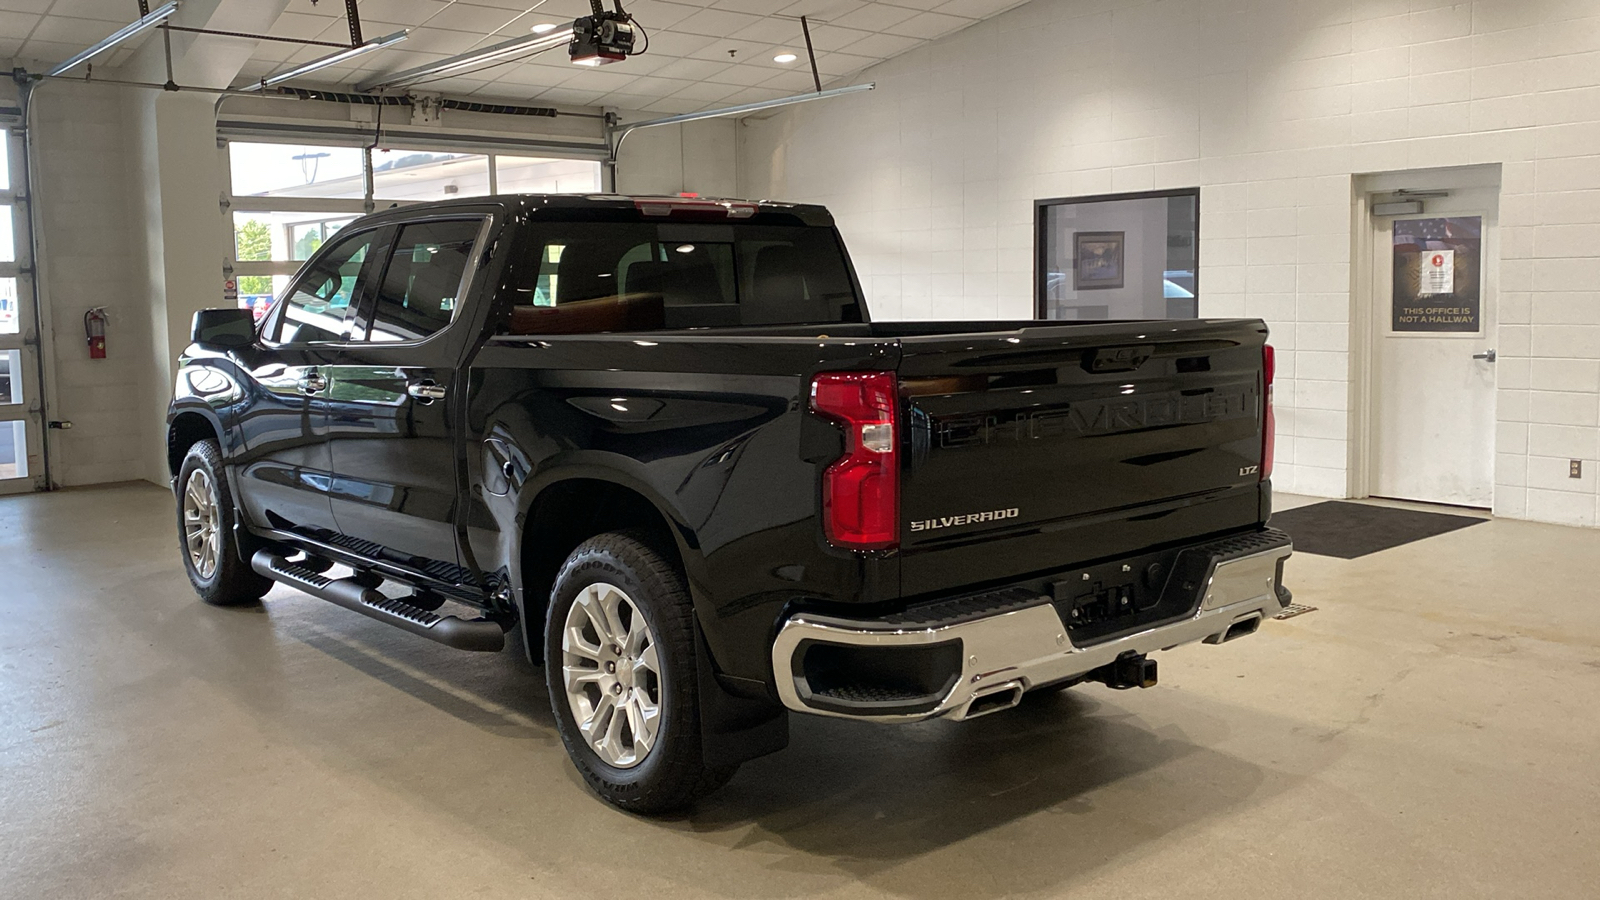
x,y
223,328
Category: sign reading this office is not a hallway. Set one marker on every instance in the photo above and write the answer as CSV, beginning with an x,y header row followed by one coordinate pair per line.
x,y
1438,269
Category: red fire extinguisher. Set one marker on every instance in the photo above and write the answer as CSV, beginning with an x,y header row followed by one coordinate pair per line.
x,y
94,331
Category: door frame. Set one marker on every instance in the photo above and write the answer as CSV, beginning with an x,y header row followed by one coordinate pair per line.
x,y
29,340
1365,286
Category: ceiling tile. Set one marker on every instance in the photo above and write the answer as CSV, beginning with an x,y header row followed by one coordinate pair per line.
x,y
692,69
707,92
775,30
977,9
930,25
823,10
601,81
72,31
19,25
303,26
716,23
121,13
405,12
875,17
881,46
474,18
834,37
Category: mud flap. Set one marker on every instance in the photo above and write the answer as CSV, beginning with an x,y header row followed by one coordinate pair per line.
x,y
734,729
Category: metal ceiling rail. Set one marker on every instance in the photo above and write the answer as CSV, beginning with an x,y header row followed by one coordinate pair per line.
x,y
145,23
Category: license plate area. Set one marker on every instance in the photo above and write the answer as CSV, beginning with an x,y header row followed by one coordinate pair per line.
x,y
1106,600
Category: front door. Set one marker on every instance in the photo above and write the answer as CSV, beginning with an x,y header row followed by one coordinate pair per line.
x,y
284,470
394,404
1433,355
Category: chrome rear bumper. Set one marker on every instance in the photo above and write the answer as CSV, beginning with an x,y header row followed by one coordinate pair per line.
x,y
1025,645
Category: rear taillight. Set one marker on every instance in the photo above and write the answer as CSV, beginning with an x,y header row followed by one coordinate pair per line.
x,y
1269,422
861,489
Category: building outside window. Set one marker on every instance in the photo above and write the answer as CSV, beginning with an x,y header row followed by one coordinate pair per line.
x,y
1121,256
287,200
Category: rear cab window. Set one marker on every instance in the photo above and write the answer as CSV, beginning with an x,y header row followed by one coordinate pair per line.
x,y
596,277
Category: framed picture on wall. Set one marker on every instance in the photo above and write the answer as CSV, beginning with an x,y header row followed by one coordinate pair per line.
x,y
1097,260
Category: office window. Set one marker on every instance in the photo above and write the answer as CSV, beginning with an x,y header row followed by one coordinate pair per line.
x,y
1124,256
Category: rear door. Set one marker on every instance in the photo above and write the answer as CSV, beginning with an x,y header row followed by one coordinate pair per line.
x,y
1051,446
394,402
285,471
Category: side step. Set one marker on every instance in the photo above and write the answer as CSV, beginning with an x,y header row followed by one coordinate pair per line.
x,y
462,634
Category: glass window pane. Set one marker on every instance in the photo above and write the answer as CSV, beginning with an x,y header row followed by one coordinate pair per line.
x,y
13,449
418,297
538,175
428,175
5,159
11,378
296,170
283,236
8,237
8,307
317,308
1122,258
625,277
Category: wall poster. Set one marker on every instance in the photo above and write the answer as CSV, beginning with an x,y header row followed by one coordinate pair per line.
x,y
1438,275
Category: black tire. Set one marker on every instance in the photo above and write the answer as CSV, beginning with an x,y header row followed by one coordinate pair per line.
x,y
672,773
223,578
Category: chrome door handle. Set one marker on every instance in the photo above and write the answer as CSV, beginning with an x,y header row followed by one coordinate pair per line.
x,y
313,383
1486,356
426,391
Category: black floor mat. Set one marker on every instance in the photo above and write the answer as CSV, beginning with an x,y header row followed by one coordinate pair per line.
x,y
1351,530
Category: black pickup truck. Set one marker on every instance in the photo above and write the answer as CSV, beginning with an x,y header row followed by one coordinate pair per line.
x,y
664,437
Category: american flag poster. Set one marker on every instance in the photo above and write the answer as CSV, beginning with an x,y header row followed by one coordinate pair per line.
x,y
1438,266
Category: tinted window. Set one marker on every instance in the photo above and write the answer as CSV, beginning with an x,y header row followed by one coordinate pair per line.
x,y
418,296
316,308
594,277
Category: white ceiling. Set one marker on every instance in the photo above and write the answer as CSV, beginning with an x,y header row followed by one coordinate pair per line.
x,y
702,54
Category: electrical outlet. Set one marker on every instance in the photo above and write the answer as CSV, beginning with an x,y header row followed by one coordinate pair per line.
x,y
1575,469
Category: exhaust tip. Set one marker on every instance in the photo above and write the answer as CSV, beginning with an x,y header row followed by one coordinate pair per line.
x,y
1242,628
1004,697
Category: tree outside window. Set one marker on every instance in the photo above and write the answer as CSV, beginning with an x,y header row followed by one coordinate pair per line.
x,y
254,239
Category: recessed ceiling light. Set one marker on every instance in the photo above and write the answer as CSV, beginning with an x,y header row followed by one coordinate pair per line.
x,y
785,58
544,27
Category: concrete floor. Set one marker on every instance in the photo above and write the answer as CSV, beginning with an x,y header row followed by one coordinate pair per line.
x,y
1431,731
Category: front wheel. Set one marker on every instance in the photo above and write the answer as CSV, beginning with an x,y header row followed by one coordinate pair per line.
x,y
620,668
211,555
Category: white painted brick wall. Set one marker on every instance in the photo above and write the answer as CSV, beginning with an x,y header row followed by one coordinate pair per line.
x,y
80,164
1270,106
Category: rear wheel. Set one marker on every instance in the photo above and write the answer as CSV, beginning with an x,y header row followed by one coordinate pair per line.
x,y
206,534
620,668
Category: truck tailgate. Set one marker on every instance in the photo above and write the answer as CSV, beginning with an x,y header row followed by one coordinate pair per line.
x,y
1045,447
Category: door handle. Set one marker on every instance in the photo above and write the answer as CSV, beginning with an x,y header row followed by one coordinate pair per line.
x,y
312,383
1486,356
426,391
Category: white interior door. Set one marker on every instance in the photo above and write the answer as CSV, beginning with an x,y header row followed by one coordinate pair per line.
x,y
20,439
1433,372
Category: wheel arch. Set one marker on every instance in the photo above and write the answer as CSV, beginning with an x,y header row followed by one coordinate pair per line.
x,y
187,428
565,513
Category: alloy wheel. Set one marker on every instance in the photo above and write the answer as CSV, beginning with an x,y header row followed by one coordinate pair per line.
x,y
612,675
202,534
